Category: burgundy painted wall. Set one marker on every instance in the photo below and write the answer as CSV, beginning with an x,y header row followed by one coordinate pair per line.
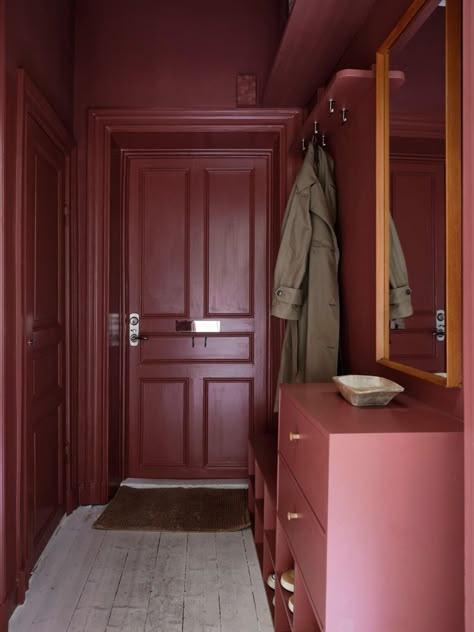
x,y
423,92
40,38
170,54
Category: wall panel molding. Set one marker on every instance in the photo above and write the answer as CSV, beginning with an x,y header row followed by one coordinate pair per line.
x,y
278,126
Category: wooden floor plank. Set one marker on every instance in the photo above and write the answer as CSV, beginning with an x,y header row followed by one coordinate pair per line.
x,y
127,620
166,605
236,600
108,581
92,619
97,598
137,577
58,611
258,588
165,613
201,564
63,553
201,613
103,581
201,599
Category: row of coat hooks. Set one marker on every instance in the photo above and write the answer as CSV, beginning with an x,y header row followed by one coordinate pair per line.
x,y
321,139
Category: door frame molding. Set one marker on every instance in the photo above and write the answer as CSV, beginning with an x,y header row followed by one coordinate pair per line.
x,y
103,125
6,599
31,102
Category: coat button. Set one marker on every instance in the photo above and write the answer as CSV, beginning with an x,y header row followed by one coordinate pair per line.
x,y
279,292
408,291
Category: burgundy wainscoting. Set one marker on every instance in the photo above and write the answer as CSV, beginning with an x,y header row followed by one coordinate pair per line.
x,y
268,133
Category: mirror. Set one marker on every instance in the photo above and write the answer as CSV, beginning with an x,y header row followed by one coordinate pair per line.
x,y
418,180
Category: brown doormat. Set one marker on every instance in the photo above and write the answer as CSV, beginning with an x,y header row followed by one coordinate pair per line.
x,y
176,509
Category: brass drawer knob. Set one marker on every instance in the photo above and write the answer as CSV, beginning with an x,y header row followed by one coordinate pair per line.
x,y
295,436
293,516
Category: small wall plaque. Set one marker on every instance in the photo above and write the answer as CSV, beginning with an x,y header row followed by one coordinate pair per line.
x,y
246,90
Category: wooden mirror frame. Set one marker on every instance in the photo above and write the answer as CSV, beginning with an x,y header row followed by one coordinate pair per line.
x,y
453,197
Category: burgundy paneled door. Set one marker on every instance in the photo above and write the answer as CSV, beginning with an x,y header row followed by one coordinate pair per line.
x,y
44,265
197,250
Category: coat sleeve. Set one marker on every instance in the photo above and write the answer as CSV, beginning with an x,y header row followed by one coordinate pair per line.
x,y
292,257
400,292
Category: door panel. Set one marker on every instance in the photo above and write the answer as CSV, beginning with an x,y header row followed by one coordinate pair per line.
x,y
213,347
164,238
230,225
418,192
44,360
227,403
193,225
164,410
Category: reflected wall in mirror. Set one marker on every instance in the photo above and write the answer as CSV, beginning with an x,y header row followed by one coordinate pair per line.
x,y
419,194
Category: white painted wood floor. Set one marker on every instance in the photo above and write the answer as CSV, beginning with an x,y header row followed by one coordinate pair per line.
x,y
109,581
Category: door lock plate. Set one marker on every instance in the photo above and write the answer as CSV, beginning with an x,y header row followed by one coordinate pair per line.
x,y
133,329
440,325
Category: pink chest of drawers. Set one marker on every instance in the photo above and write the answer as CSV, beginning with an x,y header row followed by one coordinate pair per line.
x,y
370,512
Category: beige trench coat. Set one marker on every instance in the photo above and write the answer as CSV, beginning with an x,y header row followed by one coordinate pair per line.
x,y
305,288
400,291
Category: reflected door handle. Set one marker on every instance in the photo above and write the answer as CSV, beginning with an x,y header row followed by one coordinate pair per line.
x,y
30,341
134,337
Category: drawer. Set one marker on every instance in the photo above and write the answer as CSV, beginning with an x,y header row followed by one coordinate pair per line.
x,y
306,538
306,451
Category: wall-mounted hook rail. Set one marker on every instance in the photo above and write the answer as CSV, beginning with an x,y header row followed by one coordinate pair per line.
x,y
347,86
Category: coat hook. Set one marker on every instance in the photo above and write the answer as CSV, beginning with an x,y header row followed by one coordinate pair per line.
x,y
303,145
314,138
331,103
344,113
323,140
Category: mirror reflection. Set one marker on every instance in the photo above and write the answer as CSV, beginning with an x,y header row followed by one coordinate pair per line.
x,y
417,194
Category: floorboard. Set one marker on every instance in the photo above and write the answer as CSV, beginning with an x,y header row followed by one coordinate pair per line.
x,y
90,580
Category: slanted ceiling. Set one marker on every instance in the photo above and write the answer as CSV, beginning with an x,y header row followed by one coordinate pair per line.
x,y
316,35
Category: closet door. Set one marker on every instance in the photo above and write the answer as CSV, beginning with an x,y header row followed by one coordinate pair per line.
x,y
197,251
44,269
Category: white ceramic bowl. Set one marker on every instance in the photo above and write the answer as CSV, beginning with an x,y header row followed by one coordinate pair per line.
x,y
367,390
